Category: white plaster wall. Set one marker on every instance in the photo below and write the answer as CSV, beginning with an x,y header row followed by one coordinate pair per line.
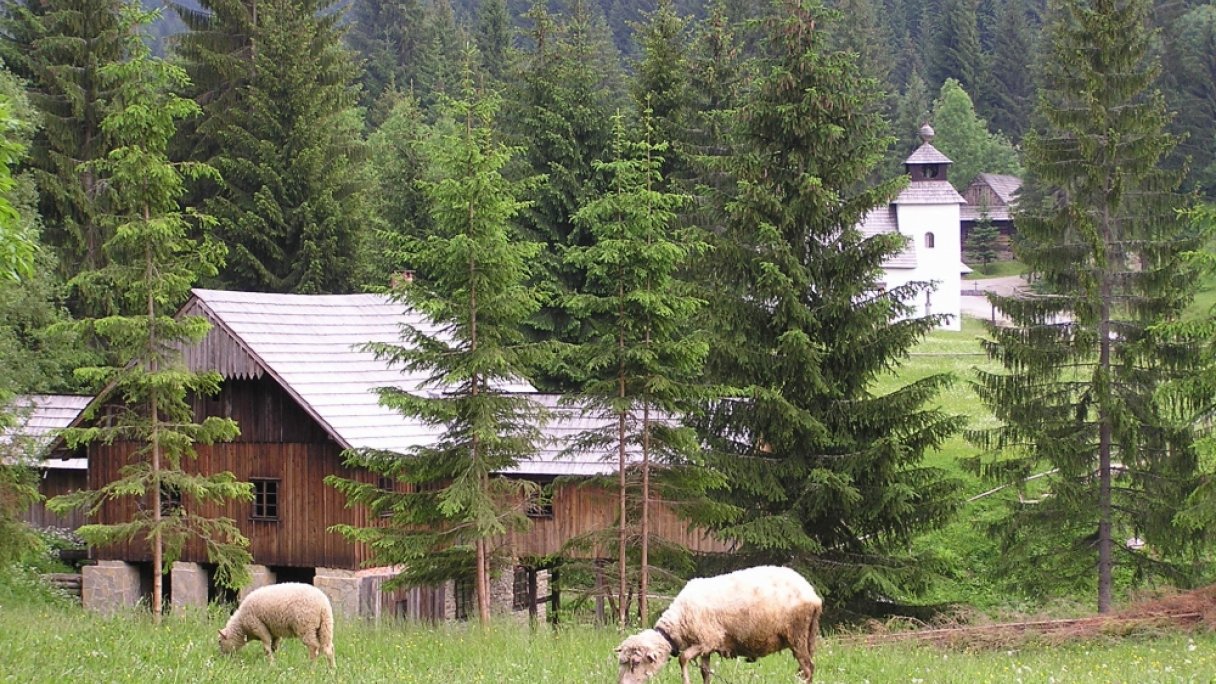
x,y
941,264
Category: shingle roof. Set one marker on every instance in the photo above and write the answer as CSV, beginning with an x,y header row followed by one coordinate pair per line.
x,y
928,154
883,220
929,192
39,418
311,344
1005,187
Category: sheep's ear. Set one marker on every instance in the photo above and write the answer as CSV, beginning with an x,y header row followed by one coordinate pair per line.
x,y
222,633
652,657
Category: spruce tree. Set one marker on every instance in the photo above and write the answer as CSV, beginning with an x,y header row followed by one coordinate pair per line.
x,y
286,138
401,208
661,81
151,265
983,241
955,47
17,244
58,47
1100,234
560,115
390,37
471,287
1009,96
829,475
494,38
643,358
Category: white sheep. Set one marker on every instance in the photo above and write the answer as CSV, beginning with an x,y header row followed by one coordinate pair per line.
x,y
748,613
273,612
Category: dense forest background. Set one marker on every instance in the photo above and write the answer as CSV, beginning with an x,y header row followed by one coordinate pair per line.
x,y
912,46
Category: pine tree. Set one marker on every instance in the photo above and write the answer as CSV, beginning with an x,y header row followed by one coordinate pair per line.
x,y
471,286
829,476
58,47
983,240
152,264
17,245
1099,233
390,37
439,63
955,49
560,116
911,112
1190,60
643,361
661,81
1009,97
402,210
287,140
494,38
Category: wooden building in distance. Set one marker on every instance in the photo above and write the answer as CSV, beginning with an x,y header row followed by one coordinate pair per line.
x,y
996,195
39,418
302,390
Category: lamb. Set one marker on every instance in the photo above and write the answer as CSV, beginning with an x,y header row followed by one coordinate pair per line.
x,y
748,613
272,612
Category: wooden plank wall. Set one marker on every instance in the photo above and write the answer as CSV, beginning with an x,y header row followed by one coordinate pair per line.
x,y
307,506
54,482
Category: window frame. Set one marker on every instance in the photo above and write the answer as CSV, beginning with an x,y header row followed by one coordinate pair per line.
x,y
269,510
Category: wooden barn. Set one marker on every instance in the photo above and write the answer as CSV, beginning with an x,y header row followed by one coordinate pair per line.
x,y
302,391
39,417
996,195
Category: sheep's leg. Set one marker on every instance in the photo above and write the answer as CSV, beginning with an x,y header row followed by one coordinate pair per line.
x,y
274,644
312,642
684,659
706,673
263,635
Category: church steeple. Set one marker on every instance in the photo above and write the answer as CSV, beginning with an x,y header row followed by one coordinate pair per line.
x,y
926,163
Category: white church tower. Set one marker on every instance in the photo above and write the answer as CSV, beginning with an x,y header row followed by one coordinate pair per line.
x,y
927,211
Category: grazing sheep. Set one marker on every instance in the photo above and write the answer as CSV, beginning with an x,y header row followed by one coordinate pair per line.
x,y
749,613
272,612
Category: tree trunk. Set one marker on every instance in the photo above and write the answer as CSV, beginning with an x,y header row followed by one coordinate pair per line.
x,y
1105,507
483,584
157,540
623,536
644,579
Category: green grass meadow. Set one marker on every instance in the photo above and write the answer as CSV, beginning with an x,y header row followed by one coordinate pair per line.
x,y
48,639
62,643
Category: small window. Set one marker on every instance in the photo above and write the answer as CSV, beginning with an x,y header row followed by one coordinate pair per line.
x,y
387,484
930,171
539,504
265,499
520,595
462,590
929,240
170,500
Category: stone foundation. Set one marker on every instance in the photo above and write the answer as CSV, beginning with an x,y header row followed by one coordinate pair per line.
x,y
189,585
109,586
261,576
343,589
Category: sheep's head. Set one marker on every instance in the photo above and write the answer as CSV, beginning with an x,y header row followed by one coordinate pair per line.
x,y
641,656
231,640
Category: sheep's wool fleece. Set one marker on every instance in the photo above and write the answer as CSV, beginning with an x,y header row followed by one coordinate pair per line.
x,y
290,609
743,613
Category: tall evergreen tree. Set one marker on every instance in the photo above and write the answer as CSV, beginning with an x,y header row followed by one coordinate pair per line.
x,y
471,286
954,50
1099,231
643,361
152,264
286,138
438,69
17,244
401,208
1191,91
911,112
661,81
1009,94
494,37
561,114
390,38
829,476
58,47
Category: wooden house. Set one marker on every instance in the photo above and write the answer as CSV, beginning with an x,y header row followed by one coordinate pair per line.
x,y
39,417
995,195
302,390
